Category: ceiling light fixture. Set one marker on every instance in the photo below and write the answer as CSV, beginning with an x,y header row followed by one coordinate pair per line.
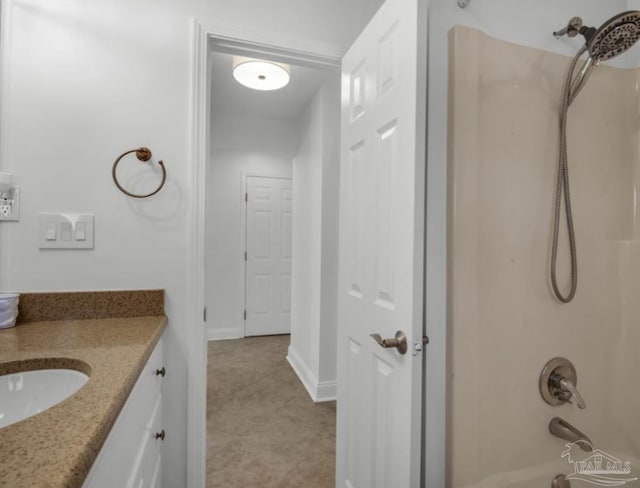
x,y
259,74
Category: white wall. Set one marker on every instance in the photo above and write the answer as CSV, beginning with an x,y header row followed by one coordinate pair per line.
x,y
83,82
307,238
524,22
327,370
312,352
240,146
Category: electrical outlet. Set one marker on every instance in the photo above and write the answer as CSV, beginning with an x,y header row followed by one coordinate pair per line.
x,y
10,209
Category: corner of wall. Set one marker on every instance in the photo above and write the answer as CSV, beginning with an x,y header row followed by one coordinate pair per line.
x,y
319,391
330,230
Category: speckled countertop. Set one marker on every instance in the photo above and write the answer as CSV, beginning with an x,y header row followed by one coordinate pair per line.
x,y
57,447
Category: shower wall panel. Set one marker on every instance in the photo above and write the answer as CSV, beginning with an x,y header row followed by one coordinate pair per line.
x,y
504,323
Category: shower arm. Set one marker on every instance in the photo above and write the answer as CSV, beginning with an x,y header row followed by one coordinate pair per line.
x,y
572,29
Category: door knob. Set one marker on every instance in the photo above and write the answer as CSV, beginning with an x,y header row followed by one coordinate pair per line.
x,y
399,341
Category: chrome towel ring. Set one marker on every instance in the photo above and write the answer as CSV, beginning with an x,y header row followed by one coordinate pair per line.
x,y
143,154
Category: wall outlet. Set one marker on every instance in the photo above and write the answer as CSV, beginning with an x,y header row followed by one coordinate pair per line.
x,y
10,207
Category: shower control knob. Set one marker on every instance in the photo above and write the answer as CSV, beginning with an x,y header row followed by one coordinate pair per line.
x,y
563,385
558,381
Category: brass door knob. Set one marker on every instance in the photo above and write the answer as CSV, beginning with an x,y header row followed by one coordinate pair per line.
x,y
399,341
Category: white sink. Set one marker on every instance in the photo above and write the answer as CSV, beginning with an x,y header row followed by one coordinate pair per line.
x,y
27,393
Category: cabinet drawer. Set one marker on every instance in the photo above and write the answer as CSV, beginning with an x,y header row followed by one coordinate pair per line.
x,y
149,452
150,381
121,454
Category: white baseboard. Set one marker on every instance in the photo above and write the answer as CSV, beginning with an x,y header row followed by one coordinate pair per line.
x,y
222,334
326,391
319,391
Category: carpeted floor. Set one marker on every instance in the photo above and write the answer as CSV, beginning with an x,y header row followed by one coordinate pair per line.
x,y
263,429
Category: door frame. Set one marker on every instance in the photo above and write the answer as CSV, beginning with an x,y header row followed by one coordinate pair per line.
x,y
243,223
207,35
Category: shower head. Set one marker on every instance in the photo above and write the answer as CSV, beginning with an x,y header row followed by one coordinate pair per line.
x,y
613,37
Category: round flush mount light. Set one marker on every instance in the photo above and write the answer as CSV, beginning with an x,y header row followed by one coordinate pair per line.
x,y
259,74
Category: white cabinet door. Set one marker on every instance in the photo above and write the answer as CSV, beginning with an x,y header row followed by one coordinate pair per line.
x,y
147,463
268,270
381,250
131,452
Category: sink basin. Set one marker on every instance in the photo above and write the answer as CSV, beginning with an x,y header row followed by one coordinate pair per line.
x,y
27,393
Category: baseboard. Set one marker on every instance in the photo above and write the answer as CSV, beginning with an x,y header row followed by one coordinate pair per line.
x,y
319,391
326,391
222,334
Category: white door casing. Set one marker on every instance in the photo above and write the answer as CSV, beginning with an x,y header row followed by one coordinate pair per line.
x,y
268,255
293,48
381,250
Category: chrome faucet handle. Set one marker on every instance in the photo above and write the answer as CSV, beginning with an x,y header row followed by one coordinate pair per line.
x,y
558,381
566,385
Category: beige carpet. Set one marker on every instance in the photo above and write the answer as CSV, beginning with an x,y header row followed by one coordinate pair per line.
x,y
263,430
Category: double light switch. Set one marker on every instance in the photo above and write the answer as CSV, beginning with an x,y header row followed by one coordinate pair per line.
x,y
65,231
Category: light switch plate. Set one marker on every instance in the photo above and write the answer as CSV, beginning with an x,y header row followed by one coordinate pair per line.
x,y
65,231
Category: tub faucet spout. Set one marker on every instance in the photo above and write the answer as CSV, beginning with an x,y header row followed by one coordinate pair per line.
x,y
563,429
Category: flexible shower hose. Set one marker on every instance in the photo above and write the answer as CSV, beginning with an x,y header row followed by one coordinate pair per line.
x,y
562,186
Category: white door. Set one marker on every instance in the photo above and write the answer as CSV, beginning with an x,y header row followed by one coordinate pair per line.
x,y
268,256
381,250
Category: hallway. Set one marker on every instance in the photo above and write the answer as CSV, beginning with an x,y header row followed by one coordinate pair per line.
x,y
263,430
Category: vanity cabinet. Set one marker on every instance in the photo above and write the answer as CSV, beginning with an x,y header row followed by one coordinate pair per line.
x,y
132,453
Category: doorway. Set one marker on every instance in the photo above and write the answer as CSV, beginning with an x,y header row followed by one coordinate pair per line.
x,y
265,134
206,36
270,256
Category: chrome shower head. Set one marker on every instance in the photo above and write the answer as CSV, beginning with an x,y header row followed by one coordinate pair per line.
x,y
613,37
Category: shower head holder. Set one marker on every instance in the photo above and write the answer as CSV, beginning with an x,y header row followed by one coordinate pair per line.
x,y
575,27
571,30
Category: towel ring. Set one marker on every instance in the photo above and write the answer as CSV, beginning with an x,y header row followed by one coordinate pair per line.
x,y
143,154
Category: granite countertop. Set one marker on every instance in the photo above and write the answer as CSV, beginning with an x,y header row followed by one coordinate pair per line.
x,y
57,447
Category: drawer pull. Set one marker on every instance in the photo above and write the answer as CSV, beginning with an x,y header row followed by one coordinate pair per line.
x,y
160,435
160,372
